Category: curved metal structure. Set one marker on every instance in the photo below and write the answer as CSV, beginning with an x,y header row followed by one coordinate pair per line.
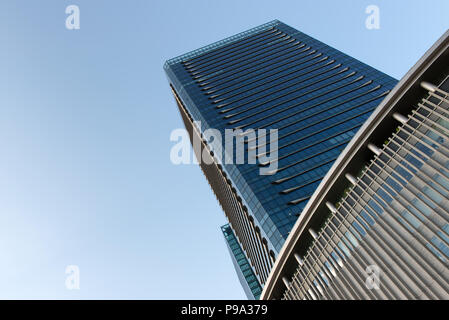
x,y
377,227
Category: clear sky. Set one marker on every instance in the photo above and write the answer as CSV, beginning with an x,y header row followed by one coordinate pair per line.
x,y
85,121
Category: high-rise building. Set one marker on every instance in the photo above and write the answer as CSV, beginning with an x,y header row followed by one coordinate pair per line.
x,y
245,273
377,227
311,95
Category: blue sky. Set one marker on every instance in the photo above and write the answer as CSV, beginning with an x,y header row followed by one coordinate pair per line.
x,y
85,121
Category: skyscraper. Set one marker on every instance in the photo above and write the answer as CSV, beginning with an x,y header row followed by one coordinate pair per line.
x,y
245,273
377,227
272,77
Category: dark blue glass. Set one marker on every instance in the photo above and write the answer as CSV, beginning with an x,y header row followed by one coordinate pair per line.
x,y
243,268
276,77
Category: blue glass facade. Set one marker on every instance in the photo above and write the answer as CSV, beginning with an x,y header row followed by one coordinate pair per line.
x,y
276,77
244,271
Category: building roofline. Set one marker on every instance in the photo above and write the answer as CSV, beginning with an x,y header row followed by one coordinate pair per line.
x,y
220,43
